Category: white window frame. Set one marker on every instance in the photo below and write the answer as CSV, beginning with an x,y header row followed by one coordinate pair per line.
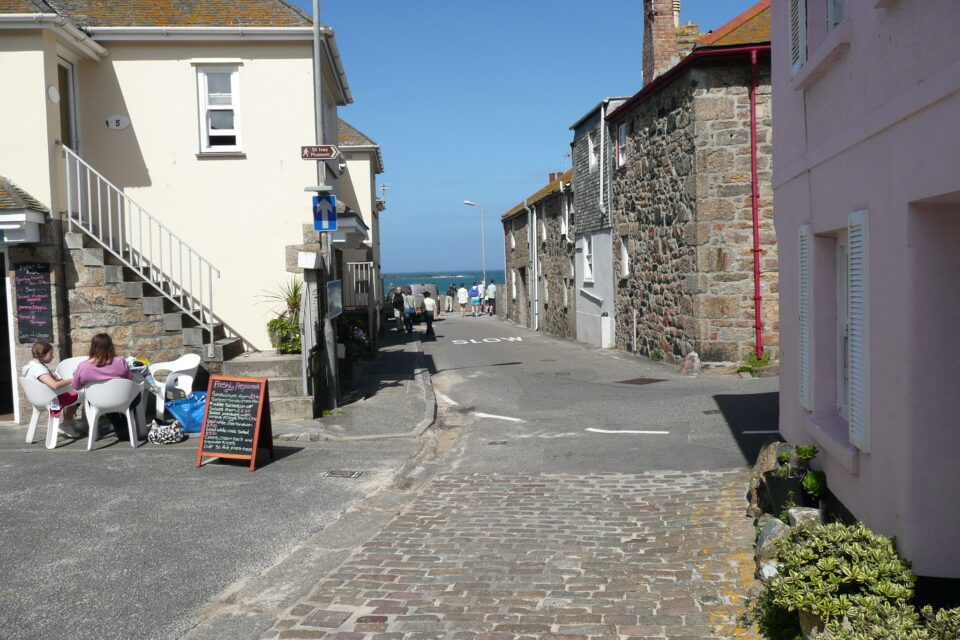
x,y
513,283
565,217
858,315
624,258
593,150
622,145
543,229
797,10
836,13
513,240
588,259
204,108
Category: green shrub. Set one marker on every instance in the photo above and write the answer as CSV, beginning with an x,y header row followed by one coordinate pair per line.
x,y
784,457
807,452
773,621
814,483
284,334
829,569
656,356
944,624
883,621
753,362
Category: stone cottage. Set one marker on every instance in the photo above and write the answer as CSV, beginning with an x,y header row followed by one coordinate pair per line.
x,y
539,244
694,250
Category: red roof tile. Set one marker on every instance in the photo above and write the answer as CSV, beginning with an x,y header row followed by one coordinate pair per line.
x,y
541,194
750,27
169,13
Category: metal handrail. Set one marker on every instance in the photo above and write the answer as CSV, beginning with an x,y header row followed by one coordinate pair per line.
x,y
160,266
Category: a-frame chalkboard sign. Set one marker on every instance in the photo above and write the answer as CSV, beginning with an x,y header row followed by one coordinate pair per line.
x,y
236,421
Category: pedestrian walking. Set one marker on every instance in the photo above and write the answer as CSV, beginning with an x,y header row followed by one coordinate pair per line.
x,y
448,299
409,309
475,299
429,307
490,299
398,309
463,297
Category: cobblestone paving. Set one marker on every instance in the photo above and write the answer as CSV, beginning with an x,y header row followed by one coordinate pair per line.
x,y
511,557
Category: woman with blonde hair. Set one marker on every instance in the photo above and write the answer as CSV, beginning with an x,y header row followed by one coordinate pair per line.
x,y
104,364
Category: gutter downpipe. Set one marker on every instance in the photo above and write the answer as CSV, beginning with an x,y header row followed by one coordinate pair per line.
x,y
534,275
755,198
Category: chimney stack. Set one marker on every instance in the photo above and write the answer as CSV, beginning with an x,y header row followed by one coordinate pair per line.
x,y
660,47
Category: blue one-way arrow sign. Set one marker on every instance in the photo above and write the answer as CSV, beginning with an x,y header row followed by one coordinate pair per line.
x,y
325,213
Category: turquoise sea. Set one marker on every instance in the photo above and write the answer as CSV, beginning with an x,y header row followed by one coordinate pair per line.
x,y
442,279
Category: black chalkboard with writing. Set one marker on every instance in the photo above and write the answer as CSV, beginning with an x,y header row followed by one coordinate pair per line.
x,y
236,420
34,309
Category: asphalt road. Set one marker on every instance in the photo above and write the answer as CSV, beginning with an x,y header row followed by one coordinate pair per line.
x,y
562,407
122,543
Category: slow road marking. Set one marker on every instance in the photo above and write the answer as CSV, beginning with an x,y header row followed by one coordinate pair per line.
x,y
483,340
660,433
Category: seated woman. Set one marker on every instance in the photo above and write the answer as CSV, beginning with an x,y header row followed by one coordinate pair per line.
x,y
37,369
105,364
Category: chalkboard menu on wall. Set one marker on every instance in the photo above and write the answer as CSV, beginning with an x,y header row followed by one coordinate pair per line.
x,y
236,420
34,308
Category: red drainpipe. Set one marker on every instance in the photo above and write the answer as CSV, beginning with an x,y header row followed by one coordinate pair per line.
x,y
755,196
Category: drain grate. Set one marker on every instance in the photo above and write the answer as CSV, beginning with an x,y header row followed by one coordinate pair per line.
x,y
498,442
711,412
342,474
322,618
642,381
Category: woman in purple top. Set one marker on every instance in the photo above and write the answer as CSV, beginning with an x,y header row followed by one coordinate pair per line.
x,y
104,364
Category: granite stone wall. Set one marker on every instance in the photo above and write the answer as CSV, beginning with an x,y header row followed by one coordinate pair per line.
x,y
517,251
556,253
682,218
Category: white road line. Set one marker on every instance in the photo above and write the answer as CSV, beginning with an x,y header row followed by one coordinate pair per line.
x,y
490,415
446,399
615,431
757,433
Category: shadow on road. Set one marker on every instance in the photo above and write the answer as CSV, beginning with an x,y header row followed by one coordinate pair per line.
x,y
747,413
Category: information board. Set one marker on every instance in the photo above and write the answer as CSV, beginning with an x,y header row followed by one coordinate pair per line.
x,y
236,420
34,308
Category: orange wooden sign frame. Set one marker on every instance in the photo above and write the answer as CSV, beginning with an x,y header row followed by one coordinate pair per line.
x,y
263,429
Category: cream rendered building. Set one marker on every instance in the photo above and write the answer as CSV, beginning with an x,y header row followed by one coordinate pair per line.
x,y
179,133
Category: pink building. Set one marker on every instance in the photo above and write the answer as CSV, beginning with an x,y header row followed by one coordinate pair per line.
x,y
867,186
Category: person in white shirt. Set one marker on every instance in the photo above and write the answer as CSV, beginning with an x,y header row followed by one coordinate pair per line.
x,y
490,299
463,298
66,397
429,313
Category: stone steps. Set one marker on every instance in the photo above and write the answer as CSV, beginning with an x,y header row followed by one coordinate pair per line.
x,y
284,373
106,295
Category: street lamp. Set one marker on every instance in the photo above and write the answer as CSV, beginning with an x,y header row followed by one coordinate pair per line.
x,y
483,239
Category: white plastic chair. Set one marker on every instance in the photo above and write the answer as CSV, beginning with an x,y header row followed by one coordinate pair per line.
x,y
181,373
39,396
68,367
111,396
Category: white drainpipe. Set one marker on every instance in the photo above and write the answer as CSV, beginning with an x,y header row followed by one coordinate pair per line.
x,y
603,153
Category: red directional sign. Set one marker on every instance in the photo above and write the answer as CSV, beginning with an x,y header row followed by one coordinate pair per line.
x,y
319,152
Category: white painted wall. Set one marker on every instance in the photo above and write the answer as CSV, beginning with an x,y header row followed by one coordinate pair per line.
x,y
596,298
239,213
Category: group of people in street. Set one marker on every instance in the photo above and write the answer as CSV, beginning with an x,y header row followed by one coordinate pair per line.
x,y
103,364
405,309
481,298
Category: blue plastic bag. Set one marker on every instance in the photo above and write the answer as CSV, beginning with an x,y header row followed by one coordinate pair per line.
x,y
189,411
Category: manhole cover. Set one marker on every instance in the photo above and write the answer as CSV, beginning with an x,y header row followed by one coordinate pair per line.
x,y
711,412
342,474
329,619
498,442
642,381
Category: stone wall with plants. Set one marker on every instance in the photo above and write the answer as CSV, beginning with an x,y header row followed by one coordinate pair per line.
x,y
827,581
556,254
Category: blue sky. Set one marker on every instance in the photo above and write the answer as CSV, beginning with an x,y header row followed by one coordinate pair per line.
x,y
474,100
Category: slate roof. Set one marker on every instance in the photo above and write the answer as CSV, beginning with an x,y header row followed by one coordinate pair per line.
x,y
167,13
750,27
541,194
350,136
13,197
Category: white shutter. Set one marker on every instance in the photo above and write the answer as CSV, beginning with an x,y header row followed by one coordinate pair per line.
x,y
858,319
806,315
798,34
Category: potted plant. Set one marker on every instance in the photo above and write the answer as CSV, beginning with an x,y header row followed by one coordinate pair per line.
x,y
788,485
284,330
